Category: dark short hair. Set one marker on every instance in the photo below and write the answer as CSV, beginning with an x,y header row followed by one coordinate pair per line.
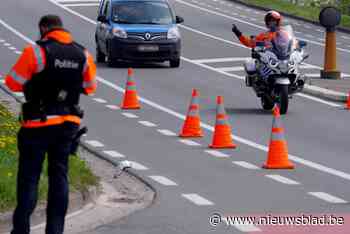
x,y
51,21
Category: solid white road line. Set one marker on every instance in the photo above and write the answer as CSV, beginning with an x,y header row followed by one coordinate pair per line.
x,y
220,60
246,165
189,142
282,179
247,228
113,107
231,69
138,166
333,104
166,132
294,158
94,143
198,200
130,115
327,197
163,180
99,100
81,4
147,124
217,154
113,154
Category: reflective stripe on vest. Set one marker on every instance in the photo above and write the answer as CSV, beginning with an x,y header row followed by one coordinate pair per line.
x,y
51,120
19,79
39,58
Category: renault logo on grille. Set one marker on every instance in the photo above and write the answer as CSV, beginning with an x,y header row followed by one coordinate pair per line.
x,y
148,36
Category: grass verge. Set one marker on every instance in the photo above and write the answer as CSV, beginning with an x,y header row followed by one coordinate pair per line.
x,y
80,176
307,12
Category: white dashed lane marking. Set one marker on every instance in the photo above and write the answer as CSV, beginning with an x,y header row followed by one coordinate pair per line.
x,y
345,37
327,197
2,40
113,107
7,44
113,154
130,115
246,165
99,100
163,180
147,124
12,48
198,200
217,154
18,52
138,166
189,142
166,132
282,179
94,143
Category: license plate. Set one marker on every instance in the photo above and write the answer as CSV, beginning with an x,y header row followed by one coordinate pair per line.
x,y
148,48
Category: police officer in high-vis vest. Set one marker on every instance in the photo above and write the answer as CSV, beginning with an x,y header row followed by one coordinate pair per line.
x,y
52,74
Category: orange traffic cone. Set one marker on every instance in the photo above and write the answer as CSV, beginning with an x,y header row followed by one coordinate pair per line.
x,y
130,96
222,133
191,127
348,102
277,157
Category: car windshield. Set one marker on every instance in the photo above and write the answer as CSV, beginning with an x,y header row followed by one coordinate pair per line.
x,y
142,12
284,42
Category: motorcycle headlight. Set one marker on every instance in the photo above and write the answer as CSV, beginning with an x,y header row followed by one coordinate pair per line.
x,y
273,62
173,33
284,67
118,32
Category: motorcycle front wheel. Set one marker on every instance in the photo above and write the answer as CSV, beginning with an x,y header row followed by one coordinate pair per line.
x,y
283,98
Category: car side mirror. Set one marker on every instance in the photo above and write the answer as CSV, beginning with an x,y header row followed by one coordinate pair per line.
x,y
179,19
302,44
102,18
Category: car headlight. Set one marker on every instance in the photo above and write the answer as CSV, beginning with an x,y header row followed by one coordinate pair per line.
x,y
173,33
118,32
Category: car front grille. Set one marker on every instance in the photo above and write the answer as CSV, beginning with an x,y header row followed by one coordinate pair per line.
x,y
140,36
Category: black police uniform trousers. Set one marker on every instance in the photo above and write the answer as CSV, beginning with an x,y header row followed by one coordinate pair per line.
x,y
34,144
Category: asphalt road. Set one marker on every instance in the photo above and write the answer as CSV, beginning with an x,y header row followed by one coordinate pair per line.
x,y
192,182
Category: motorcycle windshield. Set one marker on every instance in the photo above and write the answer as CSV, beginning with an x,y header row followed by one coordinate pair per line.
x,y
283,43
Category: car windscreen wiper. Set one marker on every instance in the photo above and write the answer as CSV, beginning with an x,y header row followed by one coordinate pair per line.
x,y
147,23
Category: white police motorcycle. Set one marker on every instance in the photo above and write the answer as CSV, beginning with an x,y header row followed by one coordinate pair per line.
x,y
274,69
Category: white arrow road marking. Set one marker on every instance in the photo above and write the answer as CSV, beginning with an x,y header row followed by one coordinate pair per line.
x,y
163,180
246,165
198,200
327,197
217,154
94,143
282,179
113,154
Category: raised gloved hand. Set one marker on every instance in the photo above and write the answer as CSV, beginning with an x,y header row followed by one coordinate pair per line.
x,y
236,31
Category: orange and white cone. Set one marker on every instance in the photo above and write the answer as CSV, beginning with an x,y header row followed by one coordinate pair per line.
x,y
348,102
191,127
130,96
222,134
277,157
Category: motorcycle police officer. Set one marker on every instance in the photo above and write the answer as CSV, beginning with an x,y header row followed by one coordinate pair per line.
x,y
52,74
